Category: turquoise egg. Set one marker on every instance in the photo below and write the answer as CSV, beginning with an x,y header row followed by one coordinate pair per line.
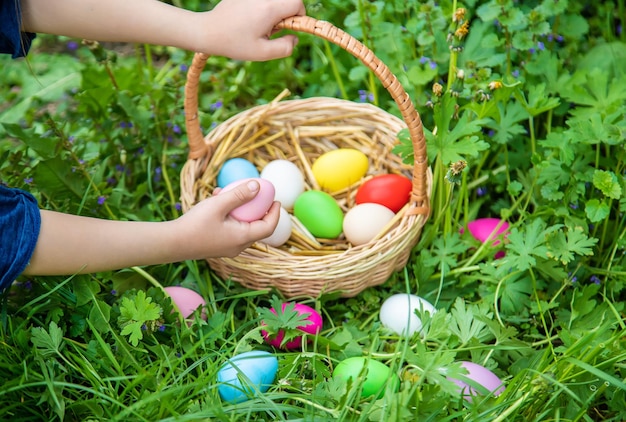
x,y
236,169
246,374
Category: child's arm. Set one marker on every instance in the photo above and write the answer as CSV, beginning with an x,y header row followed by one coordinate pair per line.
x,y
69,244
239,29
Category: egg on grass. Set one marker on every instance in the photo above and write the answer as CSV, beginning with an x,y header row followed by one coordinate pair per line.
x,y
187,301
372,375
477,381
398,313
246,375
313,327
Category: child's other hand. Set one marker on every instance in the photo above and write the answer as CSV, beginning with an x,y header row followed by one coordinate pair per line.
x,y
241,29
207,230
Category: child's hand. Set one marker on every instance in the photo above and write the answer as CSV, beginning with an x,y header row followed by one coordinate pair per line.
x,y
207,230
244,27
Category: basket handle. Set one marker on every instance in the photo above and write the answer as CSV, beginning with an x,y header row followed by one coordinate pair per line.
x,y
419,194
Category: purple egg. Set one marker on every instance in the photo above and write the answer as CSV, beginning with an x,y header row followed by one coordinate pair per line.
x,y
483,228
480,375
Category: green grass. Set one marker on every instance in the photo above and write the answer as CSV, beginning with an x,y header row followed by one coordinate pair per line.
x,y
539,121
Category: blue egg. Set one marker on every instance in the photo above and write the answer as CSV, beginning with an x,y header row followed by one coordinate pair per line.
x,y
236,169
245,375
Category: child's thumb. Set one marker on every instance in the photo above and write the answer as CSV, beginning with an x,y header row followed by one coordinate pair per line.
x,y
239,195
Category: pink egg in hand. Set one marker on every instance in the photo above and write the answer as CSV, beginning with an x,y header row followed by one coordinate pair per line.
x,y
481,376
258,206
485,228
186,300
314,327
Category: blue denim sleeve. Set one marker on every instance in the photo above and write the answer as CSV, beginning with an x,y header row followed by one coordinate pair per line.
x,y
12,40
20,222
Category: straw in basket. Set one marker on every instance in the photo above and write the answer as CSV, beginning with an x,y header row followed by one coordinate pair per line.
x,y
300,131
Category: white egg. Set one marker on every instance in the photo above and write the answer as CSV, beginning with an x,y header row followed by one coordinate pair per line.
x,y
364,221
282,232
287,179
398,313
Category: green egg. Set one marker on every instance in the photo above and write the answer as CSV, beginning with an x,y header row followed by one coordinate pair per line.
x,y
376,375
319,213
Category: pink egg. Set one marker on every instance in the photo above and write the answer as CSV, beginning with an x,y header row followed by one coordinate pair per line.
x,y
480,375
313,328
186,300
258,206
483,228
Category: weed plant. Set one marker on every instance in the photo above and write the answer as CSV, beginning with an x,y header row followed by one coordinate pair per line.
x,y
524,105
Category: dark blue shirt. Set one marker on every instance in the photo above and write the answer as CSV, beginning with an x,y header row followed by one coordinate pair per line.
x,y
12,40
20,222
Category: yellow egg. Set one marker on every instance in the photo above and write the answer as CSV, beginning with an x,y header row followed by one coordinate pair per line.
x,y
336,170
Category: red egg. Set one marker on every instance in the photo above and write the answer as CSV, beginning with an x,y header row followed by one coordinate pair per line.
x,y
390,190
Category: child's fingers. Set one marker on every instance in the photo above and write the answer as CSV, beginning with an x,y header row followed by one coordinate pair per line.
x,y
238,195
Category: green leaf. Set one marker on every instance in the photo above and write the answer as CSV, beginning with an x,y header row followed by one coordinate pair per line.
x,y
464,323
47,342
607,183
564,245
538,100
137,314
57,178
444,252
46,147
285,320
597,211
595,89
525,246
505,123
457,143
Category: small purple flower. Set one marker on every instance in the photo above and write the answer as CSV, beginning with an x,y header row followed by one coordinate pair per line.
x,y
550,37
72,45
531,50
178,206
126,125
27,285
71,139
541,46
161,328
424,60
491,133
178,354
573,206
101,200
28,180
559,38
515,73
140,151
157,174
144,327
113,292
433,65
176,129
594,279
216,105
111,181
184,67
481,191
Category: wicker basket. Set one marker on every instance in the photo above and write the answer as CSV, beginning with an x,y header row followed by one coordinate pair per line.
x,y
300,131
